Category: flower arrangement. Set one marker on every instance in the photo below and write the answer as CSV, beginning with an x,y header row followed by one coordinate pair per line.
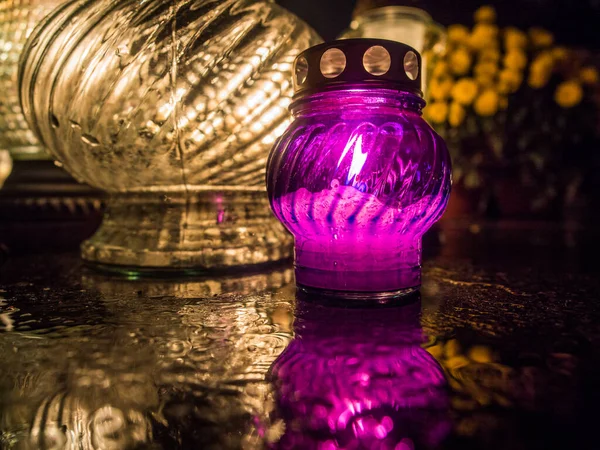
x,y
518,113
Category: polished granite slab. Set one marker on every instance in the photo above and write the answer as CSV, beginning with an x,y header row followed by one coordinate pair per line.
x,y
500,350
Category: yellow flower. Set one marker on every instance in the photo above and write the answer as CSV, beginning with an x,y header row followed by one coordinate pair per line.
x,y
503,103
538,79
515,59
589,75
487,103
439,89
486,13
541,70
509,81
465,91
485,80
441,69
485,68
457,114
568,94
489,55
559,53
540,37
460,61
481,354
514,38
543,59
437,112
458,33
484,35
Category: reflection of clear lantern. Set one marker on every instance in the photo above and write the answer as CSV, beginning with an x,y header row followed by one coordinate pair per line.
x,y
146,364
171,106
67,421
409,25
212,341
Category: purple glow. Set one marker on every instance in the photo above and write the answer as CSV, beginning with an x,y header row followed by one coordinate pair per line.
x,y
357,179
360,379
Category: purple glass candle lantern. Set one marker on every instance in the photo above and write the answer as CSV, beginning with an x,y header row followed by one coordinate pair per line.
x,y
359,176
359,379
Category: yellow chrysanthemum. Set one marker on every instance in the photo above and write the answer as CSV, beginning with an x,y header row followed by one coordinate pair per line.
x,y
487,103
568,94
460,61
485,68
509,81
456,114
540,37
465,91
489,55
540,70
515,59
441,69
484,35
481,354
538,79
543,64
458,34
437,112
439,89
559,53
486,14
514,38
485,80
503,103
589,75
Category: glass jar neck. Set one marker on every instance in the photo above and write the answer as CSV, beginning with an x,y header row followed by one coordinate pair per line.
x,y
335,100
396,23
391,14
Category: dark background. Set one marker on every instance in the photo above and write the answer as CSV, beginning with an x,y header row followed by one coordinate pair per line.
x,y
575,22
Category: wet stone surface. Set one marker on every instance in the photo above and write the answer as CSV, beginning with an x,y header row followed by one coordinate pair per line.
x,y
501,350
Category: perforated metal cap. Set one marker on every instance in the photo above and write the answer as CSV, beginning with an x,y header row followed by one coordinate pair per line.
x,y
352,63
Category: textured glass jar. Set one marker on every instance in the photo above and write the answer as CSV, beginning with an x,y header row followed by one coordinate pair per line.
x,y
356,378
410,25
359,176
17,20
171,106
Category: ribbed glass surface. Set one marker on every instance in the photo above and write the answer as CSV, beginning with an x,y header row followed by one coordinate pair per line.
x,y
358,178
17,20
164,95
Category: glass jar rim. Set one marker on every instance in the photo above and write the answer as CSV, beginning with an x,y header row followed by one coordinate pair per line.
x,y
389,12
403,98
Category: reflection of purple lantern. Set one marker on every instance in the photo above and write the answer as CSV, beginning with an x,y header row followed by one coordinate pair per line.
x,y
359,176
359,379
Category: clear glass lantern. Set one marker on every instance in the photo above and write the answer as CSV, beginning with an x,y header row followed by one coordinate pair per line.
x,y
410,25
171,107
359,176
17,20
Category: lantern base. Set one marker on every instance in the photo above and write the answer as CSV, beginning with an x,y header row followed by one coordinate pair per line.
x,y
356,269
187,233
357,296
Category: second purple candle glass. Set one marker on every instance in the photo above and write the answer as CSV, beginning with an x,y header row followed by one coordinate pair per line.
x,y
359,176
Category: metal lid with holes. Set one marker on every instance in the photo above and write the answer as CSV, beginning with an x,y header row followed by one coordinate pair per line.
x,y
376,63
